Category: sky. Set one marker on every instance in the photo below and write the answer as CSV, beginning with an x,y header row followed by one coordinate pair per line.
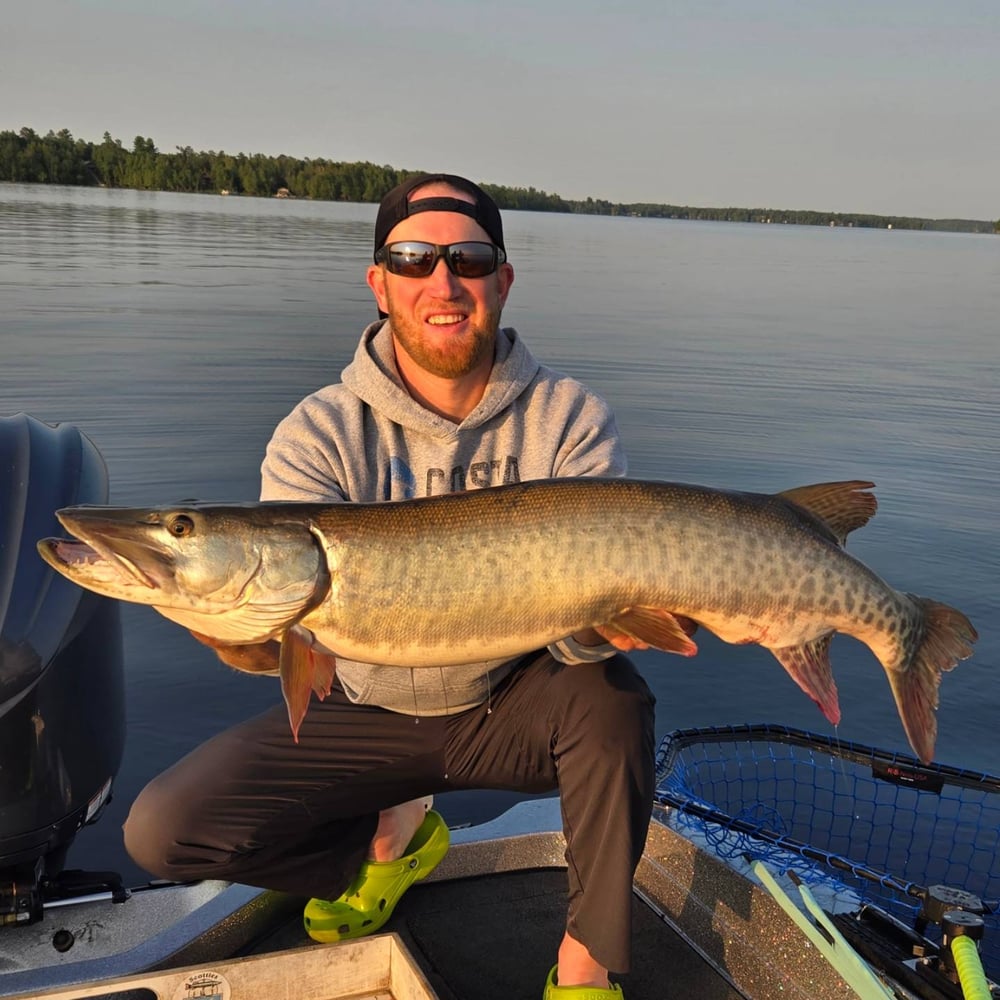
x,y
890,107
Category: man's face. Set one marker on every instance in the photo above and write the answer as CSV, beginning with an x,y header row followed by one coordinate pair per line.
x,y
446,324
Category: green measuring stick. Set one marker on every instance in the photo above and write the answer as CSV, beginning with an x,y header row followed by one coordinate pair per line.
x,y
830,943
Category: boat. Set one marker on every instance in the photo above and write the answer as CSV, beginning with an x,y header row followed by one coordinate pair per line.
x,y
778,863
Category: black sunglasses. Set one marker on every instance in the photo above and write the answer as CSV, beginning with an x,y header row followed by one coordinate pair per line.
x,y
416,259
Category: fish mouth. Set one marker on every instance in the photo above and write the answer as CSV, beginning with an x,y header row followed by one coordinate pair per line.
x,y
112,543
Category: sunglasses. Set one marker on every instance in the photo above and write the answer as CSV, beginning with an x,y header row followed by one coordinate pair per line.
x,y
415,259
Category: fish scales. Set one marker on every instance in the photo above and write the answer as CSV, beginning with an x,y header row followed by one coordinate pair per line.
x,y
508,571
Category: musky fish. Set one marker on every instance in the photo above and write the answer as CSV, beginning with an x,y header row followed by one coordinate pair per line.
x,y
502,571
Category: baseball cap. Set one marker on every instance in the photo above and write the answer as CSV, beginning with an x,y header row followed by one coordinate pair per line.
x,y
395,207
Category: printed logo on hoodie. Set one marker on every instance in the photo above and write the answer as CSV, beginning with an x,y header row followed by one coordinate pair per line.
x,y
402,482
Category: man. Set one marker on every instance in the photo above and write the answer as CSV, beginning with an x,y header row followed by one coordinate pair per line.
x,y
438,399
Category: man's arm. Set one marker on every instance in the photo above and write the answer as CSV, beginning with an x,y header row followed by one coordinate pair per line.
x,y
591,444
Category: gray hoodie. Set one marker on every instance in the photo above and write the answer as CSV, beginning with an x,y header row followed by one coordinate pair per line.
x,y
366,439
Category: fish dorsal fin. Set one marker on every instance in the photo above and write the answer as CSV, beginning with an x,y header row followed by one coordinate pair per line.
x,y
809,666
842,507
657,627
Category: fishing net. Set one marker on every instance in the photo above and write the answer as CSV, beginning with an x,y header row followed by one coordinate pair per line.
x,y
856,824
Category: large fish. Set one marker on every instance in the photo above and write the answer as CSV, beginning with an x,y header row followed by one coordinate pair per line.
x,y
502,571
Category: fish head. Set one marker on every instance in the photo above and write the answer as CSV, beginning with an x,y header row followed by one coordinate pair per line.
x,y
238,573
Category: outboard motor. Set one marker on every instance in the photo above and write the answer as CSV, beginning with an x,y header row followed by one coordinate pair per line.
x,y
62,713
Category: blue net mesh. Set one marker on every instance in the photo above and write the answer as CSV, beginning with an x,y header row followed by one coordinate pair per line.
x,y
865,824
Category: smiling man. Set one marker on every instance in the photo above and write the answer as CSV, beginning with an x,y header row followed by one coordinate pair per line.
x,y
439,398
444,324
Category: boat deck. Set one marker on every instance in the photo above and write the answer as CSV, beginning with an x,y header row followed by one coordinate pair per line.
x,y
495,937
485,925
488,922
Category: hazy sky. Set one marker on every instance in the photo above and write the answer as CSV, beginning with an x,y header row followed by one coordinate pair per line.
x,y
884,106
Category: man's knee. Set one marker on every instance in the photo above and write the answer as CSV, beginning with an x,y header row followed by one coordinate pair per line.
x,y
145,833
158,839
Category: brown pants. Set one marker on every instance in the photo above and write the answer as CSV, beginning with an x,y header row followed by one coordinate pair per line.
x,y
251,806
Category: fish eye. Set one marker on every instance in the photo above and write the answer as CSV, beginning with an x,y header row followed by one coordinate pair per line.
x,y
180,525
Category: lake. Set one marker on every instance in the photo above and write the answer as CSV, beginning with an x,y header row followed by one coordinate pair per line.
x,y
176,330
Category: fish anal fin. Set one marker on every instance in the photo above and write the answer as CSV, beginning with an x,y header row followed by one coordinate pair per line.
x,y
657,627
842,507
304,667
809,666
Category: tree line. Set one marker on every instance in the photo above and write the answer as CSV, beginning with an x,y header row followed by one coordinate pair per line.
x,y
58,158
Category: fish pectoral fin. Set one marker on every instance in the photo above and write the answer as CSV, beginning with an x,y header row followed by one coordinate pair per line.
x,y
304,668
809,666
658,627
842,507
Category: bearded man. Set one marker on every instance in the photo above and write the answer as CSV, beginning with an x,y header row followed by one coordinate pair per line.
x,y
439,398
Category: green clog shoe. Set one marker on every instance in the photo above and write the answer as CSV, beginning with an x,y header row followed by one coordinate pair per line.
x,y
369,900
553,992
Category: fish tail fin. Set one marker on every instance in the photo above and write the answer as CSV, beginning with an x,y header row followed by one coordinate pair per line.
x,y
809,666
945,638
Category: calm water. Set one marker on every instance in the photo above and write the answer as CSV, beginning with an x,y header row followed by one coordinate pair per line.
x,y
176,330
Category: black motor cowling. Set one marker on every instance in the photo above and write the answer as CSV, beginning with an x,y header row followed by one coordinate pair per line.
x,y
62,713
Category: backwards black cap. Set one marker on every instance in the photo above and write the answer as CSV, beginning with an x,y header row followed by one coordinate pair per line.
x,y
395,207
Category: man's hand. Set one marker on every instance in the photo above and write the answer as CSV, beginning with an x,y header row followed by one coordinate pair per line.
x,y
252,658
608,633
622,640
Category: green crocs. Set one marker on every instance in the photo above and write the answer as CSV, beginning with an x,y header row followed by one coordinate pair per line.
x,y
553,992
369,900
